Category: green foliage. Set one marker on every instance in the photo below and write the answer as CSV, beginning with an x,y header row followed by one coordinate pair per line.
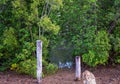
x,y
3,1
117,45
92,27
14,67
84,43
10,40
117,2
45,45
25,62
55,4
99,52
88,26
1,47
27,67
48,25
102,41
9,45
44,63
19,25
51,68
117,60
27,51
115,42
89,58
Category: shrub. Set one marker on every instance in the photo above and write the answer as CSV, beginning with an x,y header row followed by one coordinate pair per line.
x,y
51,68
115,42
27,51
27,67
100,50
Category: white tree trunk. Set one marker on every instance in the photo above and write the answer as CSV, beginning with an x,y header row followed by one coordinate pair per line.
x,y
39,60
78,68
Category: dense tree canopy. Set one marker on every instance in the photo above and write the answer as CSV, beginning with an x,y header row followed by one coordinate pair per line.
x,y
90,26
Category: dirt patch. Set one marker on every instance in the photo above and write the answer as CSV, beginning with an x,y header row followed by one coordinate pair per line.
x,y
104,75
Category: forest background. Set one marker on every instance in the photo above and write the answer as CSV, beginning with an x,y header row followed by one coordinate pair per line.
x,y
68,28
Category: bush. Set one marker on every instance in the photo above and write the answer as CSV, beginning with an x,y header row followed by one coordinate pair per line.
x,y
51,68
100,50
27,51
115,42
27,67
